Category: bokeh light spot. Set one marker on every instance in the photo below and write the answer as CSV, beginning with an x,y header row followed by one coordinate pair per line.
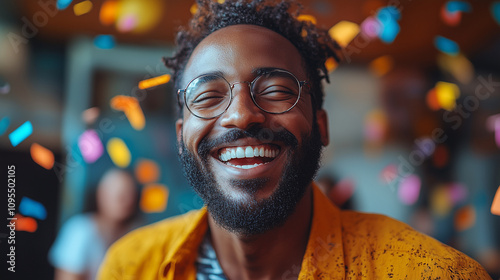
x,y
495,11
446,45
118,152
42,156
382,65
109,12
465,218
63,4
90,146
147,171
458,66
447,94
409,189
344,32
154,198
309,18
82,8
104,42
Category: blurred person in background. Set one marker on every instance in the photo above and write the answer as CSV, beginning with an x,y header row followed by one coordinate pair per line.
x,y
83,239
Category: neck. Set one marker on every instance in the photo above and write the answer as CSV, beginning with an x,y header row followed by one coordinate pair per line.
x,y
268,255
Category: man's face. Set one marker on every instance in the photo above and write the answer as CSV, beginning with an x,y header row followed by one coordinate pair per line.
x,y
252,194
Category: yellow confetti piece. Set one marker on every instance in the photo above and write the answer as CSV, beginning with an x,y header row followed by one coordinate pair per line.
x,y
153,82
447,94
221,1
309,18
465,218
154,198
331,64
458,66
147,171
344,32
441,203
495,206
118,152
42,156
130,106
82,8
382,65
109,12
193,9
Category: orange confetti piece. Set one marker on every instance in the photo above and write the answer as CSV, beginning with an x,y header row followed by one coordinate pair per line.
x,y
90,115
147,171
109,12
193,9
495,206
153,82
154,198
309,18
382,65
42,156
25,223
465,218
432,100
82,8
130,106
440,156
331,64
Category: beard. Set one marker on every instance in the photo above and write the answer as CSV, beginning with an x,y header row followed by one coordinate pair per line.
x,y
250,216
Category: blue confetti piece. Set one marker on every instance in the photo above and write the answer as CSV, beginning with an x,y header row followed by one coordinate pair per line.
x,y
17,136
63,4
4,124
458,6
104,41
389,32
446,45
388,13
32,208
495,11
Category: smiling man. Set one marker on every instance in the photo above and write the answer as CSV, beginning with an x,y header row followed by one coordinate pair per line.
x,y
250,133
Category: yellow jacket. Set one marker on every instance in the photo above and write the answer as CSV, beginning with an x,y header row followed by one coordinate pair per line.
x,y
342,245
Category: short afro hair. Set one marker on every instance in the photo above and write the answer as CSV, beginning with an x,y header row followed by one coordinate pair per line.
x,y
313,43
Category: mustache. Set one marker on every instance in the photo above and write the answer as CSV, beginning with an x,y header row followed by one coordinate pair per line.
x,y
263,134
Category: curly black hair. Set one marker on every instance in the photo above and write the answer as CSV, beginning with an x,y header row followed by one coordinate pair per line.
x,y
313,43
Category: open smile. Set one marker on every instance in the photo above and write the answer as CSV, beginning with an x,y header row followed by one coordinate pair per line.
x,y
247,157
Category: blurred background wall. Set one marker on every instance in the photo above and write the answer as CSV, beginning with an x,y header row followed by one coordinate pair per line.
x,y
413,109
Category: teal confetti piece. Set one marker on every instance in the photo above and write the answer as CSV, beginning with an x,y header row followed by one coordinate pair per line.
x,y
495,11
104,41
4,124
32,208
63,4
458,6
446,45
17,136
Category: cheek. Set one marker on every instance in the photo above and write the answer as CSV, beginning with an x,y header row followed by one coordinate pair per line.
x,y
195,129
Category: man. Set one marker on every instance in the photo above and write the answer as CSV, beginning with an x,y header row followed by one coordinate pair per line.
x,y
250,136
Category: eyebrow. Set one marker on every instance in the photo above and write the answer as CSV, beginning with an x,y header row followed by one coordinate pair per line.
x,y
263,70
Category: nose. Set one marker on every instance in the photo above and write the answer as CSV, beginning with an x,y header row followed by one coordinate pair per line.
x,y
242,113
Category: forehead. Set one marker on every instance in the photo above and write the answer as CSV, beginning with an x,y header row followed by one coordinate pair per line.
x,y
238,50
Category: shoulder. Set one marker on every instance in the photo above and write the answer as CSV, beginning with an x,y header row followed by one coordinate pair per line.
x,y
149,246
397,249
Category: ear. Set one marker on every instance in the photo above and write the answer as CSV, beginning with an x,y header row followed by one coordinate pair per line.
x,y
322,120
178,131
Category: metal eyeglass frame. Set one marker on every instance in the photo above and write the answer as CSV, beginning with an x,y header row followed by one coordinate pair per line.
x,y
231,86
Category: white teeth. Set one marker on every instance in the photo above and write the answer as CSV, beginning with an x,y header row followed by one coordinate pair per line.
x,y
245,166
249,152
240,153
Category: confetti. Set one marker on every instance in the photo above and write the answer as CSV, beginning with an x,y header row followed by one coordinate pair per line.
x,y
90,115
82,8
495,11
388,17
25,223
118,152
30,207
447,94
457,192
389,173
458,66
375,126
446,45
147,171
153,82
309,18
495,206
63,4
458,6
441,156
409,189
4,124
341,192
451,19
127,23
109,12
492,122
440,201
382,65
331,64
465,218
154,198
344,32
371,27
42,156
17,136
104,42
432,100
130,106
90,146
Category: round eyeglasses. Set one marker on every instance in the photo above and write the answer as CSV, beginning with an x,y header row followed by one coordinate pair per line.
x,y
208,96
